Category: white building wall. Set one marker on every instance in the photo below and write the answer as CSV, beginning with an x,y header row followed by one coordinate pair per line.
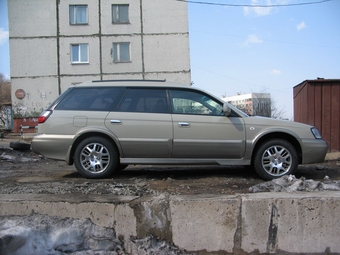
x,y
166,16
177,77
67,68
41,37
163,54
242,97
33,57
78,30
135,66
40,92
32,18
134,27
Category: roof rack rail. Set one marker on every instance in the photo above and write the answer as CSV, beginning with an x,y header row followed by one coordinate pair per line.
x,y
130,80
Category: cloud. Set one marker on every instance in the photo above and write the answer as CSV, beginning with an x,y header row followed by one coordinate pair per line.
x,y
258,11
3,36
252,39
302,25
263,11
276,72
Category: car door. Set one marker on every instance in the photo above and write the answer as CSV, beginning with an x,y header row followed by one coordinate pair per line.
x,y
142,124
201,130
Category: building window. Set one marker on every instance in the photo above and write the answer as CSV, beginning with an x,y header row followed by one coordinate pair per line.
x,y
79,53
120,13
78,14
121,52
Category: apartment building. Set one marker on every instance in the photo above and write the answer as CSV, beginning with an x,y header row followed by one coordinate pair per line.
x,y
252,103
57,43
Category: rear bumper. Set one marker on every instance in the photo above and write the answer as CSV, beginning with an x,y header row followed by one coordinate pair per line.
x,y
313,151
53,146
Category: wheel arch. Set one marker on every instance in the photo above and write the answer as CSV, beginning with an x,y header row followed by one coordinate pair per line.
x,y
86,135
279,135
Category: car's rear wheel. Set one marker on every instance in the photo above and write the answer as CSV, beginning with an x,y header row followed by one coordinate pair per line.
x,y
275,158
96,157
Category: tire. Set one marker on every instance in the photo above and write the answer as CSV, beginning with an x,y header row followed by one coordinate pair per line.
x,y
96,157
20,146
274,159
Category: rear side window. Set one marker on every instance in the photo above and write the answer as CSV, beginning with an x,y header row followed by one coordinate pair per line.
x,y
144,100
91,99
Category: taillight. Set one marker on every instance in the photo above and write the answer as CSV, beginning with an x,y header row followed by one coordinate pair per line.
x,y
44,116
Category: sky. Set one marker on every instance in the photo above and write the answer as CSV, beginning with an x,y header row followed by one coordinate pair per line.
x,y
243,49
255,50
4,42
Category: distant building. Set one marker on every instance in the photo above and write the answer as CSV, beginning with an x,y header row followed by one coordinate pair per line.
x,y
317,103
253,103
54,44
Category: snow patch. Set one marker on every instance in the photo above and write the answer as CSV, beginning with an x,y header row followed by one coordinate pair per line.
x,y
289,183
41,234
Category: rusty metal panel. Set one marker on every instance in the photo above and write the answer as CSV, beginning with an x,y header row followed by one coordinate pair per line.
x,y
326,116
318,112
309,111
317,103
335,118
299,102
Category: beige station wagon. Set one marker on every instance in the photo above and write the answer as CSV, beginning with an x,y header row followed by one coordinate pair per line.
x,y
103,126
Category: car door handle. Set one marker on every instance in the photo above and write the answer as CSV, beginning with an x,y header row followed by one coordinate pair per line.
x,y
116,122
183,124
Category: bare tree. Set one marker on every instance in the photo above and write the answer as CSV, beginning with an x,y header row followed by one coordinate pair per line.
x,y
5,90
277,113
267,106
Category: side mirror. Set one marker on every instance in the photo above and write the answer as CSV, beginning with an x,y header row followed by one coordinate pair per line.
x,y
226,109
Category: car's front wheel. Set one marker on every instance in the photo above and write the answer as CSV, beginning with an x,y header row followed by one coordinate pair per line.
x,y
96,157
275,158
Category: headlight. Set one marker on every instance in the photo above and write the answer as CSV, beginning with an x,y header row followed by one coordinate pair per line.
x,y
315,132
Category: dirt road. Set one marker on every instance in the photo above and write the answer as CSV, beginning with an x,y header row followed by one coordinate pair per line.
x,y
27,172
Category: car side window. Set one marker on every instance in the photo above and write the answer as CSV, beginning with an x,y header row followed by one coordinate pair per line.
x,y
194,102
144,100
91,99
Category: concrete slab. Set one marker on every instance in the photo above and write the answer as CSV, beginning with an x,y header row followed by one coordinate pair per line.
x,y
205,222
292,222
247,223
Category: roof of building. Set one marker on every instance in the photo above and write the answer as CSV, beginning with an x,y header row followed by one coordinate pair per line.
x,y
246,96
319,81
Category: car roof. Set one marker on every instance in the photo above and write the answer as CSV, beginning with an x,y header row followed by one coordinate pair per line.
x,y
133,83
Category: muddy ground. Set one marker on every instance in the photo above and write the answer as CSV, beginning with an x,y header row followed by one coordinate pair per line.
x,y
27,172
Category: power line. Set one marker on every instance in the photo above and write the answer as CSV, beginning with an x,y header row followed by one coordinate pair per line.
x,y
254,5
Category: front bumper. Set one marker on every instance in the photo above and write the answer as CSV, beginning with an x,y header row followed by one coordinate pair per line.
x,y
313,151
